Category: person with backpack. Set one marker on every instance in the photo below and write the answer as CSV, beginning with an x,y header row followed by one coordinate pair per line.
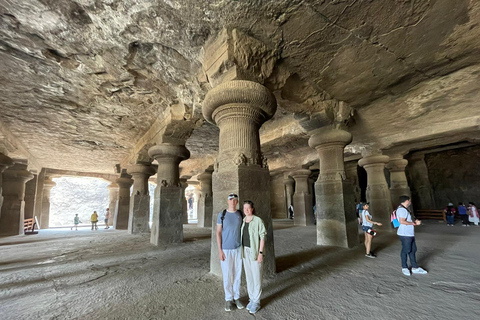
x,y
449,212
367,226
229,250
407,236
253,235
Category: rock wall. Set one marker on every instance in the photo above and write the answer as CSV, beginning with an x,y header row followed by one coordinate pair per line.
x,y
455,175
74,195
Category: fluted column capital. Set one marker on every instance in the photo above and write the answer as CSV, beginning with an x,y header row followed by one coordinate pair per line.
x,y
169,151
373,160
239,98
328,137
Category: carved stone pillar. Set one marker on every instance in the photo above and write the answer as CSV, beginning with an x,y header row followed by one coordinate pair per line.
x,y
422,195
5,162
336,219
139,212
239,108
378,193
352,176
398,179
184,185
113,199
167,224
30,193
12,214
302,199
196,202
48,184
120,222
289,191
205,203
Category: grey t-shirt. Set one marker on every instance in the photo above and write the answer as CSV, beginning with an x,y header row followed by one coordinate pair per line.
x,y
404,230
231,229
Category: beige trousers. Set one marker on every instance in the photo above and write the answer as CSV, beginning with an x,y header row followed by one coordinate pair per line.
x,y
254,275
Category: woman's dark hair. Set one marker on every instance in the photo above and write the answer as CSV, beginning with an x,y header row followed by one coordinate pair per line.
x,y
402,199
249,202
471,203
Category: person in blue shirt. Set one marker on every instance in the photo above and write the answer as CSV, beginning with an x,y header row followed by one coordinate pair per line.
x,y
462,212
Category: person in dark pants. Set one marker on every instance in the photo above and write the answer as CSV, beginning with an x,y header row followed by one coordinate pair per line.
x,y
462,212
407,237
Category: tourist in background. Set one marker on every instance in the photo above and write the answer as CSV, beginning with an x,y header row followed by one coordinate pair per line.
x,y
107,217
449,212
367,224
76,221
253,234
462,212
473,213
94,220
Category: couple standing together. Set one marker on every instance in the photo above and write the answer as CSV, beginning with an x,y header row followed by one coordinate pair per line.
x,y
241,238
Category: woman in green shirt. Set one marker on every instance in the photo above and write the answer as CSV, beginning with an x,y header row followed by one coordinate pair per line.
x,y
253,234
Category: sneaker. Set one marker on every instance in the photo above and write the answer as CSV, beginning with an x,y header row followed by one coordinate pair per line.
x,y
370,255
254,308
373,254
419,270
228,305
249,306
239,304
405,271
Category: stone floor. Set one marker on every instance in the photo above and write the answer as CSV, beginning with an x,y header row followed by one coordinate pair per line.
x,y
108,274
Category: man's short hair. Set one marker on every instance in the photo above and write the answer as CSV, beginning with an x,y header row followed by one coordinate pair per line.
x,y
232,196
402,199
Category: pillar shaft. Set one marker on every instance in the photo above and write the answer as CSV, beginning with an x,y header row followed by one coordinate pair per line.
x,y
302,199
336,219
5,162
184,185
398,180
139,212
167,226
239,108
30,192
120,221
422,195
352,176
12,212
289,191
205,202
378,193
48,184
113,199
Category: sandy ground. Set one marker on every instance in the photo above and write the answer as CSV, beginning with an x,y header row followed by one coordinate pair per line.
x,y
109,274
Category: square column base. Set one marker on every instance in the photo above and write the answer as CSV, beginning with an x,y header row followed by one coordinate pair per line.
x,y
249,183
336,219
167,226
139,214
303,209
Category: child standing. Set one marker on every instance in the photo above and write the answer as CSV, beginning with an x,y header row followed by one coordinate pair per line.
x,y
367,224
94,220
76,221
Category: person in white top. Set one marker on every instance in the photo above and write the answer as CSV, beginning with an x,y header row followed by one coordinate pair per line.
x,y
367,224
407,237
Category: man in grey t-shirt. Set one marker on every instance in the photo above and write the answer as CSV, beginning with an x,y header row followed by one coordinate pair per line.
x,y
407,237
229,251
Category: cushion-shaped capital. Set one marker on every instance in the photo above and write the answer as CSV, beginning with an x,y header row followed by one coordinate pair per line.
x,y
300,173
329,136
139,168
240,92
374,159
167,150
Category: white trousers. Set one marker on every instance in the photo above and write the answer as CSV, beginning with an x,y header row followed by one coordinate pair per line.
x,y
232,273
254,275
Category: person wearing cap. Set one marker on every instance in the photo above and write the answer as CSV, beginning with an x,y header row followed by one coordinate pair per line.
x,y
229,245
407,236
449,212
367,224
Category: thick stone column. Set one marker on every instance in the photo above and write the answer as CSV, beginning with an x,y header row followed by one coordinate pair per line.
x,y
120,221
352,176
422,195
48,184
5,162
39,196
336,219
196,202
239,108
12,213
113,199
302,199
398,179
378,193
167,224
205,203
139,212
30,193
184,185
289,191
